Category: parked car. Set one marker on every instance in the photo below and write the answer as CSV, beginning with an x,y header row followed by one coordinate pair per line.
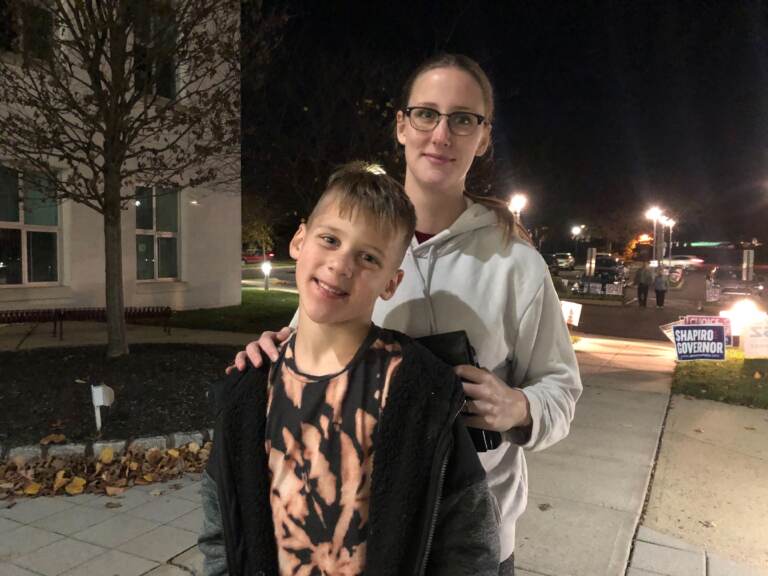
x,y
565,260
613,268
686,262
728,280
554,267
255,256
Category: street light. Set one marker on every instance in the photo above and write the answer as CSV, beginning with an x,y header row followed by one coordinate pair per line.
x,y
516,205
266,268
654,213
576,232
670,223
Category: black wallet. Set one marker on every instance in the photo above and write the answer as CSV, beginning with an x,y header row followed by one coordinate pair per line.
x,y
454,348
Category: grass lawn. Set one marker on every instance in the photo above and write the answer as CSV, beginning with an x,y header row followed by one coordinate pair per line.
x,y
259,311
735,380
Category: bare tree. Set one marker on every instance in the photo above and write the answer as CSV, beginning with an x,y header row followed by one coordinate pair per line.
x,y
99,96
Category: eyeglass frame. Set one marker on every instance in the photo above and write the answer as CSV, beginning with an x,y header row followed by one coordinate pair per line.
x,y
480,119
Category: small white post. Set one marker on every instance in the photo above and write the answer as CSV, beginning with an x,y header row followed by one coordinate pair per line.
x,y
101,395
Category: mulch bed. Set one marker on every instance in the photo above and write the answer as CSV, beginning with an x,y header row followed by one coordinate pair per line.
x,y
159,389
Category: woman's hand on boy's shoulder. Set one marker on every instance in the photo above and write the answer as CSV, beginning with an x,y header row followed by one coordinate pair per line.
x,y
267,343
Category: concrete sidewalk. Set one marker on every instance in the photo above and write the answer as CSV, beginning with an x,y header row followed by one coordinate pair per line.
x,y
586,493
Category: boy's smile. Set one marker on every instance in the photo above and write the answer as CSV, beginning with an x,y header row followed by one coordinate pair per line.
x,y
343,264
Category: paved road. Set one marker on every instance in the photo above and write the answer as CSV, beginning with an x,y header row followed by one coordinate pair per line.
x,y
631,321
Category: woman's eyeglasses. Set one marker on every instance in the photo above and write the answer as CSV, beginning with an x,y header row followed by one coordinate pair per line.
x,y
459,123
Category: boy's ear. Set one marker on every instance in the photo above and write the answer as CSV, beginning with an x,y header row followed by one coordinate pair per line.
x,y
400,127
392,285
297,241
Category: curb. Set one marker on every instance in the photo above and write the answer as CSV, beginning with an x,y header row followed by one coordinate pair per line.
x,y
173,440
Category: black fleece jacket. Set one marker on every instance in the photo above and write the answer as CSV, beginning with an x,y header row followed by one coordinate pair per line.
x,y
430,508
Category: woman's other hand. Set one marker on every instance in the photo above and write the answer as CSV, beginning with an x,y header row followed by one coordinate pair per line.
x,y
267,343
491,404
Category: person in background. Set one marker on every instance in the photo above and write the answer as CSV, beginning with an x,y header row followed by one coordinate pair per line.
x,y
469,268
660,285
643,281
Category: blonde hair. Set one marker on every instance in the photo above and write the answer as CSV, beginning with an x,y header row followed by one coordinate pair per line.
x,y
365,187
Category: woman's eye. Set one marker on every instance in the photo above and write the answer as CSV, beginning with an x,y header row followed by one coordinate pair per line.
x,y
462,119
425,113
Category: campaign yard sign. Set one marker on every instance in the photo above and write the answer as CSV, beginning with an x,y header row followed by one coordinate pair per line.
x,y
692,319
754,340
700,342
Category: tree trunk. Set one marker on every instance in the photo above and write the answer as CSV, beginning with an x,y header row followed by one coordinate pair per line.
x,y
117,343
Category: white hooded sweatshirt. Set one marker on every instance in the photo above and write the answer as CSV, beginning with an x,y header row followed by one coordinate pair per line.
x,y
467,278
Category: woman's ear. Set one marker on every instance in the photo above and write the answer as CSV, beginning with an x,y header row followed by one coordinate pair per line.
x,y
400,127
485,141
297,241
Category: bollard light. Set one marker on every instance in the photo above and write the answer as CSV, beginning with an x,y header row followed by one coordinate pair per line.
x,y
266,269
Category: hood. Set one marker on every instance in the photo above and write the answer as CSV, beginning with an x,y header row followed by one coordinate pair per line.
x,y
457,234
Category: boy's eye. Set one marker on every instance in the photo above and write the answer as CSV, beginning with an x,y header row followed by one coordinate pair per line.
x,y
370,259
330,240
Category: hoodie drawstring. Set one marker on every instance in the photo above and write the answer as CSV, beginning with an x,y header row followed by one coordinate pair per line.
x,y
426,284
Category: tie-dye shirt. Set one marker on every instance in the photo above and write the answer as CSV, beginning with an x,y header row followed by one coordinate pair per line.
x,y
320,446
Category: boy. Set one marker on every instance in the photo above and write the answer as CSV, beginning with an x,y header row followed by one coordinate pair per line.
x,y
365,469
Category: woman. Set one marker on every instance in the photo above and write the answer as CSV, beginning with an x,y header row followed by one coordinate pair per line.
x,y
466,269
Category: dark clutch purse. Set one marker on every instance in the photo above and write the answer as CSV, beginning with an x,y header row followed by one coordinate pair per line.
x,y
454,348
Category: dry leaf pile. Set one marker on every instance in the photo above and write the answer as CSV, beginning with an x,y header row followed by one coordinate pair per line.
x,y
109,474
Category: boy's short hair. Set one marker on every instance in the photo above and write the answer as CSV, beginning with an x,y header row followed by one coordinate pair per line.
x,y
361,186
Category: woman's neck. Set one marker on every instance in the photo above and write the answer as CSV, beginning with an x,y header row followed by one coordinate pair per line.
x,y
435,209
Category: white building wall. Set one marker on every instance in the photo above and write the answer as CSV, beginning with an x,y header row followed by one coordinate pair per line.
x,y
209,259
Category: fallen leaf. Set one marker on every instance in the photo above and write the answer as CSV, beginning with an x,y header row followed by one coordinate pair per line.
x,y
113,505
107,455
698,430
53,439
153,456
707,523
193,447
75,486
156,493
149,477
544,507
60,480
114,490
133,466
749,428
173,453
32,489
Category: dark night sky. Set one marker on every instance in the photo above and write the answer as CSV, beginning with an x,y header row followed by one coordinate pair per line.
x,y
602,107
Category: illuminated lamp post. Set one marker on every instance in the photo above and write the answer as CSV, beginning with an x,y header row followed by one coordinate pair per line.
x,y
516,205
654,213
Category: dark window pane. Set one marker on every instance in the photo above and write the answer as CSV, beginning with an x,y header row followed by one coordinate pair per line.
x,y
166,251
9,195
39,208
144,215
41,257
145,257
142,34
167,210
10,256
165,37
38,31
8,33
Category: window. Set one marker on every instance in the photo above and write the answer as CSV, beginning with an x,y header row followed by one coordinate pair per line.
x,y
26,28
29,230
154,47
157,232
